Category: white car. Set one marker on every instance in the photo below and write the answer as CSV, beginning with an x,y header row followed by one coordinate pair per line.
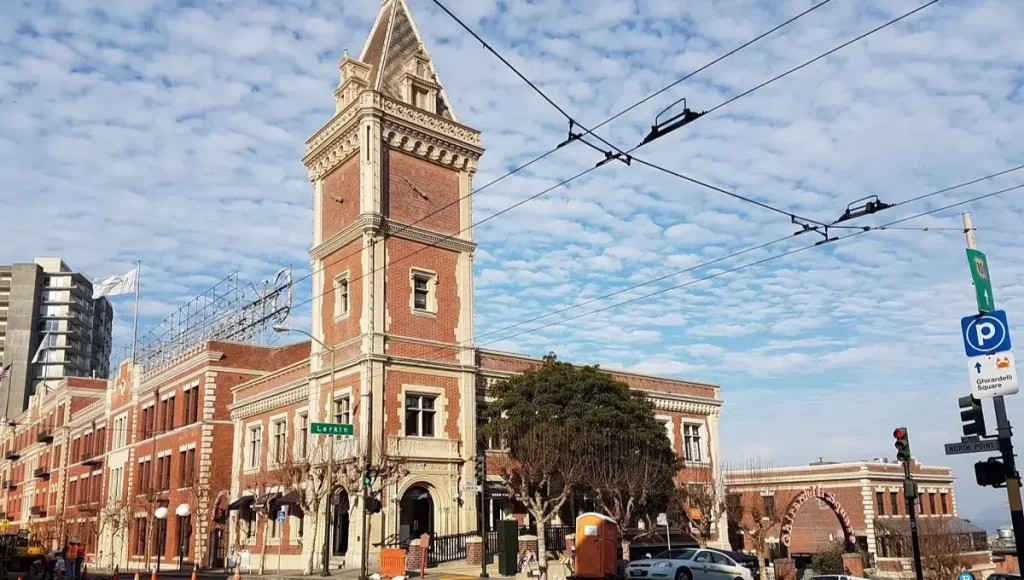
x,y
688,564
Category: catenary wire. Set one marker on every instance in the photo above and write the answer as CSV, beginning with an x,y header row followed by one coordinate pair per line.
x,y
531,162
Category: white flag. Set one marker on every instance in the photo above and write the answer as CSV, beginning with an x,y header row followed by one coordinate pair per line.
x,y
114,285
43,345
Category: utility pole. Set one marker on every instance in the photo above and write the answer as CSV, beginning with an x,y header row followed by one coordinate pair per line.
x,y
1005,432
909,493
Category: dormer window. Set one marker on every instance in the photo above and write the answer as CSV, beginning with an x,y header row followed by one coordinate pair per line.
x,y
418,85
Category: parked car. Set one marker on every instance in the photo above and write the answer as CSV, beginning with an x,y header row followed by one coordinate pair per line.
x,y
837,577
1003,576
688,564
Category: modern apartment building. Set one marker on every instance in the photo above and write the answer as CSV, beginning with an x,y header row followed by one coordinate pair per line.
x,y
46,300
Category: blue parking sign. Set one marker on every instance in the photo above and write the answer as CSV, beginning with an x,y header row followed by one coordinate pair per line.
x,y
985,334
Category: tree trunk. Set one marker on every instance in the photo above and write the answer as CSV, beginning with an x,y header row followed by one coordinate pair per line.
x,y
542,548
625,550
763,568
263,549
308,569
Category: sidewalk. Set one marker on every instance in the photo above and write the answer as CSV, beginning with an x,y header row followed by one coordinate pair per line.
x,y
453,572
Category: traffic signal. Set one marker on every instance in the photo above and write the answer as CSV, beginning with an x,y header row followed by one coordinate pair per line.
x,y
972,416
902,444
372,505
480,467
990,473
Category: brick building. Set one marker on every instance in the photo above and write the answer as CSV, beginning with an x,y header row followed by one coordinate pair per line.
x,y
193,450
868,494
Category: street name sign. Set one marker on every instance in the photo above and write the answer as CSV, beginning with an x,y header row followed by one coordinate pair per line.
x,y
982,282
471,488
331,429
985,334
993,375
984,446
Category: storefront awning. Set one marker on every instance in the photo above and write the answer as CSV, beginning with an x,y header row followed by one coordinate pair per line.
x,y
244,502
290,498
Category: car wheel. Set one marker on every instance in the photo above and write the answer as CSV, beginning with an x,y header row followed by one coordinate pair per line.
x,y
683,574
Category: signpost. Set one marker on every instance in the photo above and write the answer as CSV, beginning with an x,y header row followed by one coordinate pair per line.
x,y
980,446
663,521
281,517
985,335
331,429
982,283
993,375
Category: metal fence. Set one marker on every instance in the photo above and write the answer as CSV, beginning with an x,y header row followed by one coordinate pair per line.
x,y
448,548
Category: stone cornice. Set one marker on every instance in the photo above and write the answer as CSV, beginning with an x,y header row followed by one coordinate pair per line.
x,y
178,366
413,130
377,222
695,405
270,376
273,399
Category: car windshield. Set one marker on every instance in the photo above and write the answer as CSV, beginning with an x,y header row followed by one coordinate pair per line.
x,y
678,554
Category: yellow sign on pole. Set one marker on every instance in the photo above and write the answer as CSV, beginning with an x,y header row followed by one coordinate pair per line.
x,y
4,524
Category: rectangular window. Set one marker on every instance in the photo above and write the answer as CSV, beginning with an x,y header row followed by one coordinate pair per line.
x,y
931,503
419,415
280,434
341,296
880,503
184,480
343,410
691,442
163,473
421,292
303,435
769,505
191,406
945,504
139,548
73,492
894,499
253,447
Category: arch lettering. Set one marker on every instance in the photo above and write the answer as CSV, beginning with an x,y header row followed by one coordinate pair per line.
x,y
830,500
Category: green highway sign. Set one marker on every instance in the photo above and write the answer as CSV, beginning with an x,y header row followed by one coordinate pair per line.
x,y
331,429
982,280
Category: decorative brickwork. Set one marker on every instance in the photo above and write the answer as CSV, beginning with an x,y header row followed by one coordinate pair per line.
x,y
474,551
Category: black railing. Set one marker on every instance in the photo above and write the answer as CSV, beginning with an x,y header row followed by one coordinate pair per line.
x,y
554,537
448,548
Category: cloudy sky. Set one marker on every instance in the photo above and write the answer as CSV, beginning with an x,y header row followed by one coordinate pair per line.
x,y
172,133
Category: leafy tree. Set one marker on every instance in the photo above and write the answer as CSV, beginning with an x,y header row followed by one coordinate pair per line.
x,y
566,428
829,561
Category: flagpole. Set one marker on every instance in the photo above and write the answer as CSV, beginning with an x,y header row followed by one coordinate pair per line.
x,y
10,379
135,324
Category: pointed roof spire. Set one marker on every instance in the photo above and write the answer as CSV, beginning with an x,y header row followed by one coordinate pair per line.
x,y
393,40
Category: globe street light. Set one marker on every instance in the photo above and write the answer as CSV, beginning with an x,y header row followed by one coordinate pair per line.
x,y
182,511
161,515
326,571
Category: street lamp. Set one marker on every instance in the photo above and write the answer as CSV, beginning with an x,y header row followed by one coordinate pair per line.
x,y
326,571
183,511
161,515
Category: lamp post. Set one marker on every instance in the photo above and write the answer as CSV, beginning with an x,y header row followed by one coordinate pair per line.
x,y
183,511
161,515
326,571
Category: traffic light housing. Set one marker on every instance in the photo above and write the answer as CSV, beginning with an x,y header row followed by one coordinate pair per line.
x,y
480,467
372,505
972,416
902,444
990,473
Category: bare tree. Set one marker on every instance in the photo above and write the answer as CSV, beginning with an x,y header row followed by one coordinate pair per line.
x,y
263,486
203,489
540,469
632,480
756,511
702,497
116,518
305,478
944,543
148,500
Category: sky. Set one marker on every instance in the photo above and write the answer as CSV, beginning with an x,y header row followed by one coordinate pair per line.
x,y
172,133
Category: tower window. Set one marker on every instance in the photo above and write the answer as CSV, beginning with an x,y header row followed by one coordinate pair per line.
x,y
341,296
424,298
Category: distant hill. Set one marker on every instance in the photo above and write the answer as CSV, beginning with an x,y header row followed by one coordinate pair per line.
x,y
991,518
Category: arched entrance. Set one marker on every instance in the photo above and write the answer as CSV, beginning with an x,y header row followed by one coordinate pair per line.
x,y
415,513
785,537
339,523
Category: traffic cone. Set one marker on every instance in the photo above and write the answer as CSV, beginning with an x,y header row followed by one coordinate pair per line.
x,y
136,575
153,577
194,568
117,573
237,575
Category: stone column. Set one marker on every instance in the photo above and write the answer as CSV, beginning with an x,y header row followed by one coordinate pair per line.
x,y
474,551
414,557
853,564
528,544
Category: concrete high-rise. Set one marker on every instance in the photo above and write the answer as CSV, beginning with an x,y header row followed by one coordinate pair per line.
x,y
46,300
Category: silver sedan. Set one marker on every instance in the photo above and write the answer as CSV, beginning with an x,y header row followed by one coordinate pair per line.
x,y
688,564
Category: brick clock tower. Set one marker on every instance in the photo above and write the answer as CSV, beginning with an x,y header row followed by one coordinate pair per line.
x,y
392,258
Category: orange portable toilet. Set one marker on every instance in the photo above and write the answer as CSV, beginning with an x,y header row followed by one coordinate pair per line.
x,y
597,546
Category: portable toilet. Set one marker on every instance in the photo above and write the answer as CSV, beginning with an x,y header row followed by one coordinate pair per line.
x,y
597,546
